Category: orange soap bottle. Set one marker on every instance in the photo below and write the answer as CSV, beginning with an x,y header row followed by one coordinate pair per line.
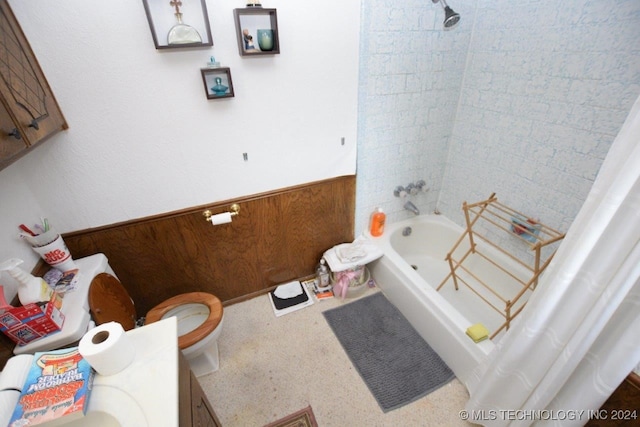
x,y
376,223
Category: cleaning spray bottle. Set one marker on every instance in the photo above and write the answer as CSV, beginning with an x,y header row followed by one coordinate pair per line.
x,y
31,289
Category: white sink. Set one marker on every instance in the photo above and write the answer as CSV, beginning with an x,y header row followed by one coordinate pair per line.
x,y
144,394
111,407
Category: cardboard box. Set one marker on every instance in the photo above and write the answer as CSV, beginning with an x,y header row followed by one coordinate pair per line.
x,y
32,321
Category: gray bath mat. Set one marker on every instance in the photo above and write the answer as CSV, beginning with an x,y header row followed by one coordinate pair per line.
x,y
394,361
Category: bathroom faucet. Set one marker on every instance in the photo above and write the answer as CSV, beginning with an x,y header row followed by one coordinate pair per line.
x,y
411,207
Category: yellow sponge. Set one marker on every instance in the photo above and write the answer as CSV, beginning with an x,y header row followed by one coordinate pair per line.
x,y
478,332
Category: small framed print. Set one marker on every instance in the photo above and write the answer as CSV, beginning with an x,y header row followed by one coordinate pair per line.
x,y
257,31
178,24
217,82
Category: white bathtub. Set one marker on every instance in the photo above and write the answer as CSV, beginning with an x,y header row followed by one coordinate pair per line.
x,y
408,274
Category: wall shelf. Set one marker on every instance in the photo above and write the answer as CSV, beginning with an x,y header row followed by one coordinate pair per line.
x,y
257,31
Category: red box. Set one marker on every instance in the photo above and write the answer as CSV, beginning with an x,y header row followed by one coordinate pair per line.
x,y
32,321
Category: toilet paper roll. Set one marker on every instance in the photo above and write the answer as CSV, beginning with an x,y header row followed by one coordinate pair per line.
x,y
107,348
222,218
15,372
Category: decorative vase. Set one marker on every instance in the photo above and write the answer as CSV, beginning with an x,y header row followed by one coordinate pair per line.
x,y
265,40
219,88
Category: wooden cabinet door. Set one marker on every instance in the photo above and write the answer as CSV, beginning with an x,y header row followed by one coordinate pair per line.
x,y
201,410
195,409
26,96
12,145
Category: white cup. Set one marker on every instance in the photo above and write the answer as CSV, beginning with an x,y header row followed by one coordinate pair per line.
x,y
51,248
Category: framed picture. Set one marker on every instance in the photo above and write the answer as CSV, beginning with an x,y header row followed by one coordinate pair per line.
x,y
178,23
217,82
257,31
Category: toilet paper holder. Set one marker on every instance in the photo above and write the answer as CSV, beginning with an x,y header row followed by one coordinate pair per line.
x,y
234,210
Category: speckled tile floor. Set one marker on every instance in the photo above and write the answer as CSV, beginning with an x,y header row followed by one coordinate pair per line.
x,y
273,366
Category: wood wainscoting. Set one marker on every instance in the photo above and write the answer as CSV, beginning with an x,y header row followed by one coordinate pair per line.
x,y
277,237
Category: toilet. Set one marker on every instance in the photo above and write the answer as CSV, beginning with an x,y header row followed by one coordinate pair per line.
x,y
199,315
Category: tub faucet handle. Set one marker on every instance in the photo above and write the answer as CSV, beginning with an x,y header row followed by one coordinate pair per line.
x,y
420,185
412,189
400,191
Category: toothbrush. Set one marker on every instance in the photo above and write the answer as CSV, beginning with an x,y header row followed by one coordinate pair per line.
x,y
26,230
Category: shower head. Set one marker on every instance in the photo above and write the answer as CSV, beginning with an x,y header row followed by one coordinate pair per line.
x,y
450,17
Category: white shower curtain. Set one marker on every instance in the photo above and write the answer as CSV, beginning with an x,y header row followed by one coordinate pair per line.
x,y
579,336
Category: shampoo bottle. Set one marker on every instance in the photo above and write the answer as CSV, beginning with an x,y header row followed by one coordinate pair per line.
x,y
376,223
31,289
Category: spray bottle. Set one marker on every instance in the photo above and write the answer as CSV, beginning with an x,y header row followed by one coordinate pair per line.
x,y
31,289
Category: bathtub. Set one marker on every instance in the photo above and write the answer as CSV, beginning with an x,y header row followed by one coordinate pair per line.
x,y
408,274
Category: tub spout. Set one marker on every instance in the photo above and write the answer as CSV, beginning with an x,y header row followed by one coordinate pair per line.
x,y
411,207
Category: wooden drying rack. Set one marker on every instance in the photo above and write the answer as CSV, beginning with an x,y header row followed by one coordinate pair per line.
x,y
535,234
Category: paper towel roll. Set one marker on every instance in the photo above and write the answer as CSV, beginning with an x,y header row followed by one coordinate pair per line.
x,y
222,218
107,348
15,372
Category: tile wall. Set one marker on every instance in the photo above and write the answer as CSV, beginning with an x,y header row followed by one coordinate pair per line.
x,y
410,77
522,99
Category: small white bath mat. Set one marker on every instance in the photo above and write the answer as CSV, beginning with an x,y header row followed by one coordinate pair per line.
x,y
394,361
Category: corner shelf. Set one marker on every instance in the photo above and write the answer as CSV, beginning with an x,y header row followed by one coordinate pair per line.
x,y
501,217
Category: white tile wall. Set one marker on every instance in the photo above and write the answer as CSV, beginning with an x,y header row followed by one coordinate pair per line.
x,y
410,78
522,99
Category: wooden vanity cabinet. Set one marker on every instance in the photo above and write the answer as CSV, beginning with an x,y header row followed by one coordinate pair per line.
x,y
195,409
29,112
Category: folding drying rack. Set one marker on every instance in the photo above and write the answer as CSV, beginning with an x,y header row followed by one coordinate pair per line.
x,y
496,215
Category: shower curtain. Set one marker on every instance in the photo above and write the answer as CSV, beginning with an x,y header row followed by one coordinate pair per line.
x,y
579,336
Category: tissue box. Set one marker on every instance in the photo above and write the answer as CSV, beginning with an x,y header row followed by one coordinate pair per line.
x,y
32,321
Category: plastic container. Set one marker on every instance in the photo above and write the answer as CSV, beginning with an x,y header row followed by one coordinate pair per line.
x,y
357,283
356,276
376,222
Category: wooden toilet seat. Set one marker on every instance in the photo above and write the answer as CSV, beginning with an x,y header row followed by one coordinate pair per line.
x,y
109,301
208,326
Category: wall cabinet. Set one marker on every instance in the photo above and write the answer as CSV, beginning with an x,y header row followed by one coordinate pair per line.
x,y
29,112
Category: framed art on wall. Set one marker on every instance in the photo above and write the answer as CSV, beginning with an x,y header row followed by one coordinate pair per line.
x,y
257,31
217,82
178,23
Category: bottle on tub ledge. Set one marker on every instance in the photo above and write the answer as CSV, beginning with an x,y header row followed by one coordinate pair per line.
x,y
376,222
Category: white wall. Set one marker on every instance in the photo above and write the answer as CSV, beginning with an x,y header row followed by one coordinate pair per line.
x,y
144,139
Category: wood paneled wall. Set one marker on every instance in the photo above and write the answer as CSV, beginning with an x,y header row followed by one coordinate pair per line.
x,y
277,237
